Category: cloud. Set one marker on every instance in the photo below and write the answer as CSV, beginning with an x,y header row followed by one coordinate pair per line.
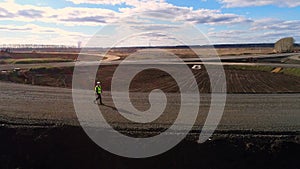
x,y
247,3
34,34
213,17
264,30
163,10
68,16
277,28
227,3
149,16
31,13
230,36
86,16
107,2
98,17
104,2
114,2
40,30
154,27
276,25
5,13
151,38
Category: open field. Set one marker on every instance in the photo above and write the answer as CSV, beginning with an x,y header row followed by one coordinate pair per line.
x,y
259,128
204,52
27,55
34,57
240,79
223,51
286,71
34,60
124,52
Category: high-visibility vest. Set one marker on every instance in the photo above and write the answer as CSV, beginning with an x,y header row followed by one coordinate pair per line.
x,y
98,89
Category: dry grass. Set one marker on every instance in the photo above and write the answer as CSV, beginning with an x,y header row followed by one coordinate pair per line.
x,y
34,60
204,52
222,51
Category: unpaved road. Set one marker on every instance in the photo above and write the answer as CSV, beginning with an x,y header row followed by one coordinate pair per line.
x,y
42,106
114,60
256,131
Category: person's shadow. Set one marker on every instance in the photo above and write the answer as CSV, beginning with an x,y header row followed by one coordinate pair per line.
x,y
120,110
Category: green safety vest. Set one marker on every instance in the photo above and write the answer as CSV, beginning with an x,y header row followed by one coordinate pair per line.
x,y
98,89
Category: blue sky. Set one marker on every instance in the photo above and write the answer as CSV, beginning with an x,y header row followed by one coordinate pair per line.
x,y
223,21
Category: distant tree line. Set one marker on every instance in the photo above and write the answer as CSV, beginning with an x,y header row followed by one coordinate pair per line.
x,y
5,46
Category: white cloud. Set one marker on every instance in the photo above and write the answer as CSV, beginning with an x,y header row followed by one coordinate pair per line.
x,y
107,2
275,28
68,15
247,3
31,28
142,15
276,25
264,30
163,10
114,2
97,16
230,36
38,34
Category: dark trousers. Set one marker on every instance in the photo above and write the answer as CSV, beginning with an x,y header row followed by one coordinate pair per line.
x,y
99,98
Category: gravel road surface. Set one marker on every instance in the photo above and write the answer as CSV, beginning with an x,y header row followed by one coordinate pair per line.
x,y
36,105
113,60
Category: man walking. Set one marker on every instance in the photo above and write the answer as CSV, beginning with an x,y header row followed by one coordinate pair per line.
x,y
98,90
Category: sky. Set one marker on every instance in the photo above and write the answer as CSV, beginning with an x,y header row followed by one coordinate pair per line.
x,y
66,22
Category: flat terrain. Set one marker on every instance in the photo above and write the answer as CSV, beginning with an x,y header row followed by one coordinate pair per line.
x,y
260,126
39,129
239,80
32,105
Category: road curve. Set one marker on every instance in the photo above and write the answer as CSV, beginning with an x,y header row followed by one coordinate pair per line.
x,y
112,60
37,105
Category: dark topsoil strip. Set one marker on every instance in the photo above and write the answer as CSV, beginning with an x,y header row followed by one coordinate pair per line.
x,y
69,147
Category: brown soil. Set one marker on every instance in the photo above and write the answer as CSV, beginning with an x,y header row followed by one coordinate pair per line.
x,y
238,81
223,51
124,52
69,147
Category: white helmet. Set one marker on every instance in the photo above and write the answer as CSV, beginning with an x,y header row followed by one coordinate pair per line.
x,y
98,82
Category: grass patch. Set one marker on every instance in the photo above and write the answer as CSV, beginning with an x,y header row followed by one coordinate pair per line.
x,y
258,68
50,69
291,71
34,60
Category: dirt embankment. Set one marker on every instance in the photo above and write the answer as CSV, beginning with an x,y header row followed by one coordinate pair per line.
x,y
238,81
69,147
